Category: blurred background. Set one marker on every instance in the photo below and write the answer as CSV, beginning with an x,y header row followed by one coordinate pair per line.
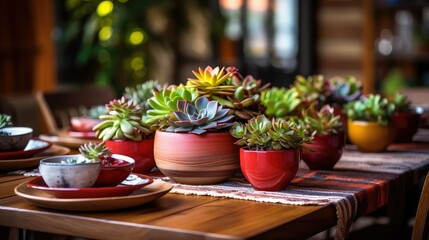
x,y
49,45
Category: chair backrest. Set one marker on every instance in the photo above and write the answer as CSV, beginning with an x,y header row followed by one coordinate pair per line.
x,y
421,225
58,106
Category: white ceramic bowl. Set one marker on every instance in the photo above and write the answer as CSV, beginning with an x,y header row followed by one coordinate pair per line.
x,y
16,139
57,174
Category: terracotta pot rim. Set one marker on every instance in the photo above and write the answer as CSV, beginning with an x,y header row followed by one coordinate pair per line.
x,y
269,151
128,140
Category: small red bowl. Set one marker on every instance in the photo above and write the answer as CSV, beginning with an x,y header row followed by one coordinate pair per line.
x,y
114,174
83,124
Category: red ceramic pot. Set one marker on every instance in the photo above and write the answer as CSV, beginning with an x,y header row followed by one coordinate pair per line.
x,y
269,170
188,158
111,175
141,152
407,124
327,151
83,124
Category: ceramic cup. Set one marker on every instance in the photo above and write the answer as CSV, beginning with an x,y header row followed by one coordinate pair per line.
x,y
58,174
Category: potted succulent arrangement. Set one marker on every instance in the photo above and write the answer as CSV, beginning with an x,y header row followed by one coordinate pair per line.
x,y
140,93
270,158
313,90
280,102
227,86
343,91
328,142
370,125
95,166
124,132
195,146
13,138
406,118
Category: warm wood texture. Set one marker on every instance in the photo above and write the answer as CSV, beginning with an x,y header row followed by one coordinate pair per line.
x,y
26,46
171,217
421,225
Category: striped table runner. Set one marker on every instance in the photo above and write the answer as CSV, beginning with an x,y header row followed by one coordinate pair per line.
x,y
359,184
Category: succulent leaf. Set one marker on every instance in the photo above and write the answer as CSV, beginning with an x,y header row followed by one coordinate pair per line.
x,y
208,116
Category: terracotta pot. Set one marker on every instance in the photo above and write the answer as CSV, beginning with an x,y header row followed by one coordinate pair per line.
x,y
118,171
141,152
370,136
269,170
188,158
327,151
407,124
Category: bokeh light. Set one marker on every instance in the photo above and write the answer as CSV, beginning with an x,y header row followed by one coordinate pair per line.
x,y
136,37
104,8
105,33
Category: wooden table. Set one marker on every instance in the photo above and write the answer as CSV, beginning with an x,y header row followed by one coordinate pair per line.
x,y
173,216
170,217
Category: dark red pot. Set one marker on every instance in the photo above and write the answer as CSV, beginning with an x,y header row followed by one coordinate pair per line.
x,y
407,124
327,151
118,171
141,152
269,170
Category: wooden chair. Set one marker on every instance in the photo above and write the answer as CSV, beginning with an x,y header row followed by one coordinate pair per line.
x,y
58,106
421,225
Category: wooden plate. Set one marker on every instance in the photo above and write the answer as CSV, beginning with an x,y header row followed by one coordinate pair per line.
x,y
24,163
66,140
147,194
92,192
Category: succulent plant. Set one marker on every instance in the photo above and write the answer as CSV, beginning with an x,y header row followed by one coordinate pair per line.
x,y
323,122
91,153
402,103
280,102
211,81
261,134
122,122
372,108
164,103
312,89
96,111
245,102
5,120
345,89
142,92
204,116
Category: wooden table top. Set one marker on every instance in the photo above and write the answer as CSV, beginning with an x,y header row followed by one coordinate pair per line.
x,y
173,216
170,217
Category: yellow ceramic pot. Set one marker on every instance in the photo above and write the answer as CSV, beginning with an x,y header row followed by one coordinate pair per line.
x,y
370,136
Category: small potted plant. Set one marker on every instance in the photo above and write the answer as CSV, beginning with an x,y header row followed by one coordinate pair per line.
x,y
406,118
13,138
94,166
270,158
328,143
370,125
115,168
124,133
343,90
195,146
